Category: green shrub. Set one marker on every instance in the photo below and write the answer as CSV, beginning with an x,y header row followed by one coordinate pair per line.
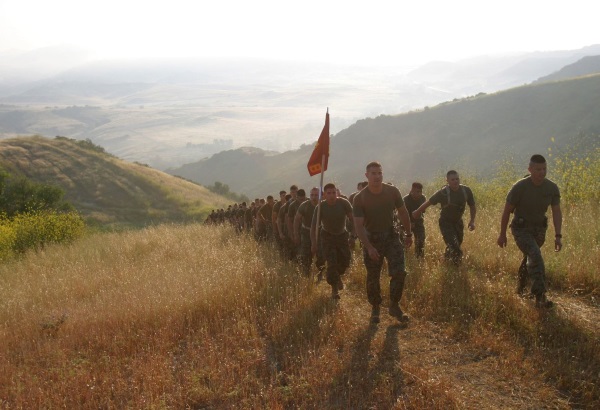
x,y
34,230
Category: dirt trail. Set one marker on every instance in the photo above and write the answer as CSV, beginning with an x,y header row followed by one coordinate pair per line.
x,y
474,376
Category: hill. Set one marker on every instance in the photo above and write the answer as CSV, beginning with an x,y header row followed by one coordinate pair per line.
x,y
469,134
167,113
586,66
104,189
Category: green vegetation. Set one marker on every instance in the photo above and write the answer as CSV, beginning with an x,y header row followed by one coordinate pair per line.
x,y
34,215
421,145
223,190
199,317
106,191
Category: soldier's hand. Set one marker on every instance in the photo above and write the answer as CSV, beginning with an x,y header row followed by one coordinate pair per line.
x,y
557,244
416,214
373,254
408,240
502,241
471,226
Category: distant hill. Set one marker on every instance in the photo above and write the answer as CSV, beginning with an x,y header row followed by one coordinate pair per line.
x,y
170,112
103,188
586,66
469,134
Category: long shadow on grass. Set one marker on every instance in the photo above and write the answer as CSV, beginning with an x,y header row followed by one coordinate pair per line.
x,y
566,351
570,357
364,384
455,301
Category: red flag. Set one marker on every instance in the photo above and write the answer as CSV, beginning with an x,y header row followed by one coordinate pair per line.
x,y
322,148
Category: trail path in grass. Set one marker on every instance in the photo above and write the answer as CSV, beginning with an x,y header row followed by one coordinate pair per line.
x,y
485,373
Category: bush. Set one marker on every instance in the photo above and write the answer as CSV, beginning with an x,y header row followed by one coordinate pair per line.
x,y
37,229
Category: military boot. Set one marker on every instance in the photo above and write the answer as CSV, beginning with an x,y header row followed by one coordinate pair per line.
x,y
397,313
542,302
340,284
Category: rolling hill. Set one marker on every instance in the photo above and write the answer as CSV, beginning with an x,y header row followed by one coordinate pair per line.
x,y
167,113
103,188
467,134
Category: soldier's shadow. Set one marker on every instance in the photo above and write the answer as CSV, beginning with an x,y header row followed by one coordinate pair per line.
x,y
368,369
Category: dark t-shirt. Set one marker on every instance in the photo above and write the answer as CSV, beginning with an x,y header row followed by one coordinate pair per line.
x,y
531,202
333,217
276,207
266,211
293,207
413,205
453,208
306,210
378,209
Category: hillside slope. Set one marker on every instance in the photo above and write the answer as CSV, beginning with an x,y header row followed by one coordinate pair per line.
x,y
468,134
105,189
586,66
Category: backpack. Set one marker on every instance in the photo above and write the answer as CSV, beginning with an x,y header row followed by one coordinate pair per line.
x,y
464,191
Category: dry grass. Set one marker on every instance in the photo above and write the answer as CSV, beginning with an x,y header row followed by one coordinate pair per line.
x,y
197,317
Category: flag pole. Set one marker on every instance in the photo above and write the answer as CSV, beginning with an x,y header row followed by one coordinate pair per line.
x,y
320,194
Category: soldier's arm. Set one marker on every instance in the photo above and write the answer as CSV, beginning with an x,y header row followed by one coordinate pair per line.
x,y
473,212
502,240
361,232
405,219
557,221
351,218
417,213
297,220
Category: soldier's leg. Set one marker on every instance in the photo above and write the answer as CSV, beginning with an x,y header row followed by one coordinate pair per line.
x,y
320,262
306,254
373,268
527,243
344,256
394,253
523,276
451,239
419,235
330,252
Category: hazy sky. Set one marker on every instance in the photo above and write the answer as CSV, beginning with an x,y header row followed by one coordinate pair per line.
x,y
380,32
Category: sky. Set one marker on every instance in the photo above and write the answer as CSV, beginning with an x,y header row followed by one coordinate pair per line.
x,y
370,32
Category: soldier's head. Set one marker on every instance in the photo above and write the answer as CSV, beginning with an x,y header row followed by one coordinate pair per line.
x,y
294,191
416,190
374,174
282,195
453,179
330,192
537,168
301,194
270,199
314,195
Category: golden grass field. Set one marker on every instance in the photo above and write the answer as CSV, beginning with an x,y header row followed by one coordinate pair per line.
x,y
199,317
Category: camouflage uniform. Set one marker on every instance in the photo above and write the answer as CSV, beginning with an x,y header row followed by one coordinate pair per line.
x,y
418,227
451,224
529,226
306,210
388,245
336,248
378,213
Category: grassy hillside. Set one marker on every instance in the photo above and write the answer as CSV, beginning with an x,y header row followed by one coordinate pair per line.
x,y
103,188
140,320
471,134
